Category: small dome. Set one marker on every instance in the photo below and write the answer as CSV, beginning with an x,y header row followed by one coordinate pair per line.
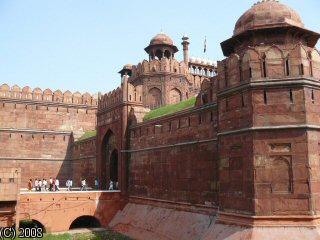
x,y
160,39
267,13
127,66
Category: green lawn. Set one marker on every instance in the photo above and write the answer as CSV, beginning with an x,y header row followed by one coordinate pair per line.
x,y
105,235
88,134
170,109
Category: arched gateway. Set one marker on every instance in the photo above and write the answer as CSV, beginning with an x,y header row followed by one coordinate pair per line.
x,y
109,160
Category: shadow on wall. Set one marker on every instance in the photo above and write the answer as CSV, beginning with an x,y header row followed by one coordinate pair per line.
x,y
109,161
67,168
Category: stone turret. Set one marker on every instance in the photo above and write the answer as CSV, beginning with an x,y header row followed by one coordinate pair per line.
x,y
185,43
161,46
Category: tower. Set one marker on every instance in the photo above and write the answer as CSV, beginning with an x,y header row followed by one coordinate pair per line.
x,y
161,46
268,120
185,44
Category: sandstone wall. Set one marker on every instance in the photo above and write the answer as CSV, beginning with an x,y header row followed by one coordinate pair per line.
x,y
174,158
84,161
38,128
56,211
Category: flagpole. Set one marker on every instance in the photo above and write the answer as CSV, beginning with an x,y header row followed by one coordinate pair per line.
x,y
205,46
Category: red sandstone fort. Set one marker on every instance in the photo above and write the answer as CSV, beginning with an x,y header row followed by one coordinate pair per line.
x,y
242,163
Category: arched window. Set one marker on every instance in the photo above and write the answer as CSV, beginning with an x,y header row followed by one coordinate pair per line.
x,y
175,96
281,174
274,63
158,54
167,54
287,67
301,69
154,98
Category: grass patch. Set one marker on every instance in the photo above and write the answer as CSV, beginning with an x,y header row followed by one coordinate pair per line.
x,y
65,236
88,134
104,235
170,109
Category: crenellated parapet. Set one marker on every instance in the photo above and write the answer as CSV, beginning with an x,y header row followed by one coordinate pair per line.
x,y
26,93
269,62
162,66
110,99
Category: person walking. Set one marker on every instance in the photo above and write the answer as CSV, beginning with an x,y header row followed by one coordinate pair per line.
x,y
67,185
96,184
50,184
44,183
111,185
70,183
30,185
39,185
36,184
83,185
57,184
54,185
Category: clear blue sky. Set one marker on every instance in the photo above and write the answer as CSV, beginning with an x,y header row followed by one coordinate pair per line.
x,y
80,45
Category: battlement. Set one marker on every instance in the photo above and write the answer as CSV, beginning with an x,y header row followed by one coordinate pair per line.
x,y
164,65
26,93
110,99
267,63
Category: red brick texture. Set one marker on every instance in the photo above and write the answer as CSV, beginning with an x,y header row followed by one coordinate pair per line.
x,y
56,211
37,131
174,158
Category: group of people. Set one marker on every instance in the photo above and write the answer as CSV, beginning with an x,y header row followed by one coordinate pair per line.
x,y
44,185
113,185
53,185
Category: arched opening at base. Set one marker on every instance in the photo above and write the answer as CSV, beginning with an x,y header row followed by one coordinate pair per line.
x,y
31,223
85,222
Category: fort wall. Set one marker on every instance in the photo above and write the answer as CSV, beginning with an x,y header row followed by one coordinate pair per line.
x,y
265,63
162,157
38,128
9,194
84,161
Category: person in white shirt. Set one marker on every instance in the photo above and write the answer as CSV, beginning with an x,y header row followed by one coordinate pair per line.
x,y
96,184
50,184
36,184
83,185
70,183
67,185
39,185
111,185
57,185
44,183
